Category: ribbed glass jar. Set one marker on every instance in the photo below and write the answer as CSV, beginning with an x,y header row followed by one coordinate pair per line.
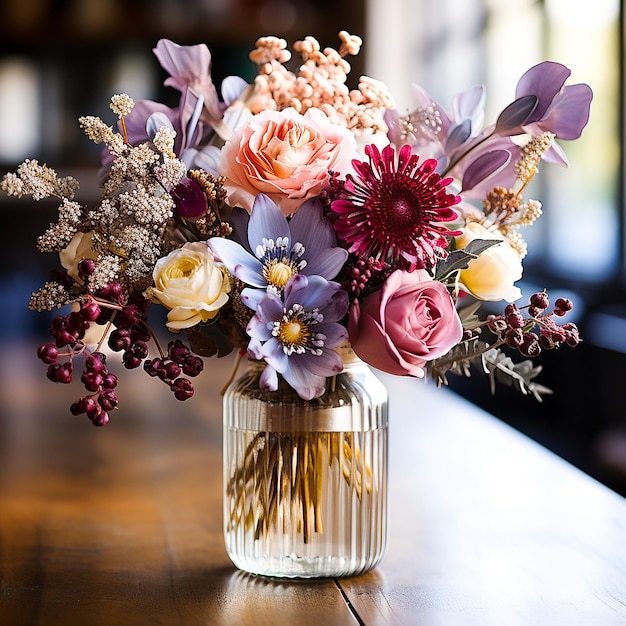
x,y
305,482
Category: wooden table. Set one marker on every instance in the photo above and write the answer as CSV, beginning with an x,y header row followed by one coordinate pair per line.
x,y
122,525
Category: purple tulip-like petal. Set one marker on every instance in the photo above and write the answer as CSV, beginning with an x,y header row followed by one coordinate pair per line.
x,y
569,112
458,135
335,334
313,292
470,105
189,67
544,81
255,349
483,167
513,116
329,264
328,361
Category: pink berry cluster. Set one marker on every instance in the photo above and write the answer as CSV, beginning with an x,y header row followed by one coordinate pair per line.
x,y
129,334
536,330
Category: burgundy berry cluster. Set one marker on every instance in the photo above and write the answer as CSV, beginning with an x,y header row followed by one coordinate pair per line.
x,y
536,329
68,332
179,360
102,383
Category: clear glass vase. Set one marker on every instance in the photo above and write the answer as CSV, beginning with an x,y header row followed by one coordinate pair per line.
x,y
305,482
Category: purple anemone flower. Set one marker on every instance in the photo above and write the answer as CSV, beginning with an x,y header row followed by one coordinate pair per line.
x,y
295,335
279,249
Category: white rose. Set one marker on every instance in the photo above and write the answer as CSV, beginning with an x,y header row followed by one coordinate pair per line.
x,y
492,274
188,282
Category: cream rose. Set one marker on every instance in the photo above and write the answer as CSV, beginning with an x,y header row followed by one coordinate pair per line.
x,y
78,249
492,275
188,282
286,156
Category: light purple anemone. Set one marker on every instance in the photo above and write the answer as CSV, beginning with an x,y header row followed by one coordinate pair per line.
x,y
295,334
278,249
199,114
482,158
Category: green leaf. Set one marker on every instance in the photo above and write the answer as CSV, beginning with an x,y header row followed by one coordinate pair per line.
x,y
460,259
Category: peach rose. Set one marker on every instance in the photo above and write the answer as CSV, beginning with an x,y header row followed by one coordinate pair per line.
x,y
411,320
286,156
491,276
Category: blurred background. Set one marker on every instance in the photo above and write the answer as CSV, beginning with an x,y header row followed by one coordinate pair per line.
x,y
60,59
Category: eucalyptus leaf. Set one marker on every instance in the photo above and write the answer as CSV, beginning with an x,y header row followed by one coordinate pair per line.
x,y
459,259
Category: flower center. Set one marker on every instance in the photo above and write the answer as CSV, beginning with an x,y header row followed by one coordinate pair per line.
x,y
278,273
294,332
280,261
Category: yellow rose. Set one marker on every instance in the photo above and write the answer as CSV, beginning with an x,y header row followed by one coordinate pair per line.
x,y
492,274
188,282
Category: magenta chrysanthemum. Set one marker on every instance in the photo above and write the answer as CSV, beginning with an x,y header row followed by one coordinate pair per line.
x,y
394,212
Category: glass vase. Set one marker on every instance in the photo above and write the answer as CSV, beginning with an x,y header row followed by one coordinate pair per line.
x,y
305,482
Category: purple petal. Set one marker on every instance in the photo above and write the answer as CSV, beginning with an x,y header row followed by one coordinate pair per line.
x,y
543,80
515,114
232,88
269,309
207,159
156,121
252,297
185,64
470,105
255,349
266,221
139,117
300,377
269,379
569,112
258,331
329,363
315,292
308,225
238,261
335,334
327,265
483,167
275,356
458,135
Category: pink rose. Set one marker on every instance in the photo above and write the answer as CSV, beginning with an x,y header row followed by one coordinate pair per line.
x,y
411,320
286,156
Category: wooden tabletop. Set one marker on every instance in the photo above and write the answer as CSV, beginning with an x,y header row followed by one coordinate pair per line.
x,y
122,524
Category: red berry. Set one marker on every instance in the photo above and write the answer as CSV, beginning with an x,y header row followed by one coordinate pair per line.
x,y
48,353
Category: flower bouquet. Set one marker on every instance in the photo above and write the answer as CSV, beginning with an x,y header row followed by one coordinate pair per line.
x,y
289,218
